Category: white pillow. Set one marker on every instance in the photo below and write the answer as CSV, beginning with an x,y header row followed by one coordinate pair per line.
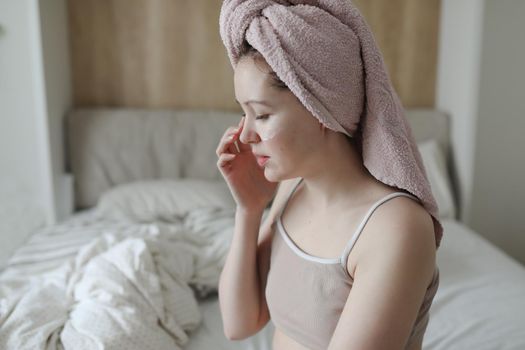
x,y
166,200
435,165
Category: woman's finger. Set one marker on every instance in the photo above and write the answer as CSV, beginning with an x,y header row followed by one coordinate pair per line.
x,y
226,139
228,145
230,141
225,159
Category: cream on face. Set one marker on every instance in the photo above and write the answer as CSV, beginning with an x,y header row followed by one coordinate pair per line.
x,y
268,127
269,130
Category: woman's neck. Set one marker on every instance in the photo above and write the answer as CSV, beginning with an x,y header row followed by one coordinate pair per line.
x,y
339,176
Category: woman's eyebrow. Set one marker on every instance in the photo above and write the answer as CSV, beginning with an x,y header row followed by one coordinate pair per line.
x,y
261,102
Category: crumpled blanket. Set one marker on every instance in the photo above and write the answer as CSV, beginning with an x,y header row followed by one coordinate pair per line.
x,y
132,287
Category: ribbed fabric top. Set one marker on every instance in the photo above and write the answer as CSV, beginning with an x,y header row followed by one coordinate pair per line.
x,y
306,294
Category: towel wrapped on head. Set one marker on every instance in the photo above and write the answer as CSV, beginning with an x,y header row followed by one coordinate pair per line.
x,y
326,54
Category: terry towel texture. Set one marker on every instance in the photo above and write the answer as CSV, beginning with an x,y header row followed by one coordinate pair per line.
x,y
326,54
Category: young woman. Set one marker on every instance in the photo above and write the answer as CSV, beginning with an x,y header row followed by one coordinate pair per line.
x,y
342,260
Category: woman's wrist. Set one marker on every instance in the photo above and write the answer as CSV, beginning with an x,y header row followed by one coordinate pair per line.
x,y
249,212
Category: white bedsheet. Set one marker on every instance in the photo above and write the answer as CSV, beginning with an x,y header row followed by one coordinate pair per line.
x,y
479,305
210,333
88,282
20,216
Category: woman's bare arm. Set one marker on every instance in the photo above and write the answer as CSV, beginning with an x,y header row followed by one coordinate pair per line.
x,y
243,278
239,284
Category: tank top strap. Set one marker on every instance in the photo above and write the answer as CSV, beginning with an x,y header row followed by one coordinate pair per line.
x,y
289,196
357,233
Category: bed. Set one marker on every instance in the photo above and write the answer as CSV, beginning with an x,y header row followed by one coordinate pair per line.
x,y
137,265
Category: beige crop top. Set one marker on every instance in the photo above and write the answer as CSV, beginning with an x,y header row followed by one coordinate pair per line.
x,y
306,294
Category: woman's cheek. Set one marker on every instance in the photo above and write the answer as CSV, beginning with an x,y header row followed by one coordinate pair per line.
x,y
272,128
269,133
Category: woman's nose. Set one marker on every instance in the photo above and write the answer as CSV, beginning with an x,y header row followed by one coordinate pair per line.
x,y
248,134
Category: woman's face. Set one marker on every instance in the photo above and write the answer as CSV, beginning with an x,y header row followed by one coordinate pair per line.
x,y
276,124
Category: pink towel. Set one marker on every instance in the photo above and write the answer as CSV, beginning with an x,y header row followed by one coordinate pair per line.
x,y
326,54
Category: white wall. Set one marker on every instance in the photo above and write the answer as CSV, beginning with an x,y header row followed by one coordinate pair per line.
x,y
20,168
457,86
480,78
58,99
34,93
498,195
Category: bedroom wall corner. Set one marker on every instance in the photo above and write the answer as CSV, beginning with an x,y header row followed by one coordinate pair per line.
x,y
499,165
457,88
23,200
58,101
480,84
35,92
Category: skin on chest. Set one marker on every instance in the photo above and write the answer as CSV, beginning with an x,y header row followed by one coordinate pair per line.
x,y
324,236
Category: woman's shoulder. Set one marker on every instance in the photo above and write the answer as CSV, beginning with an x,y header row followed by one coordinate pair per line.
x,y
399,207
401,204
400,218
389,196
400,225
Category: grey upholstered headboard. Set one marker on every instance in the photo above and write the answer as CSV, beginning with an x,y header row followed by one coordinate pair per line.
x,y
108,147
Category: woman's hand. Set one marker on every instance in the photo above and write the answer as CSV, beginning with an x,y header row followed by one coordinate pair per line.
x,y
245,178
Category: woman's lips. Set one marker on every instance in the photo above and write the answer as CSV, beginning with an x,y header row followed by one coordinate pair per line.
x,y
262,160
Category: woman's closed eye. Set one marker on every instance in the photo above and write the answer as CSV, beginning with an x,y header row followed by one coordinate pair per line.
x,y
258,117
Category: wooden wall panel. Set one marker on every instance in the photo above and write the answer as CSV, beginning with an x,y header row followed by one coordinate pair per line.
x,y
168,53
406,31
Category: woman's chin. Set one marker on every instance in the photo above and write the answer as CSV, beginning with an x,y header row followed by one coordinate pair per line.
x,y
269,174
274,176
